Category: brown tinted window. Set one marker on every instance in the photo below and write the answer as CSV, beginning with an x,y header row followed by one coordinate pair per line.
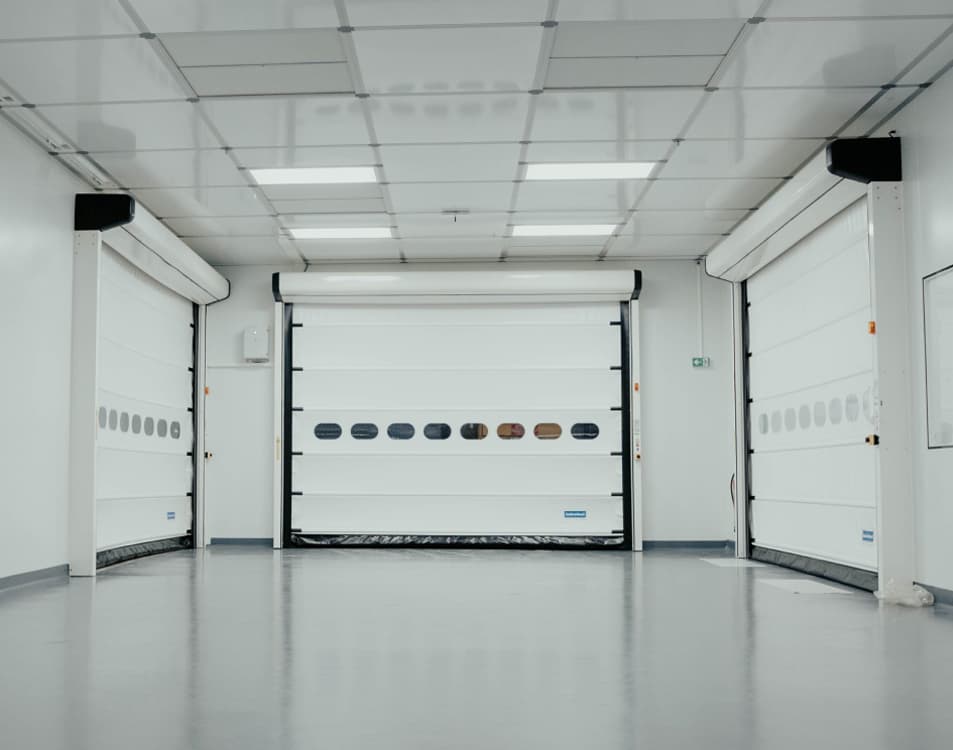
x,y
547,431
510,431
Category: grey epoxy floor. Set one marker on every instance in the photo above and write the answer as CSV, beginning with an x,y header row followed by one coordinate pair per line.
x,y
246,648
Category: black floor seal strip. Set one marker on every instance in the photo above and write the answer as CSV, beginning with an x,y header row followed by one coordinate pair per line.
x,y
144,549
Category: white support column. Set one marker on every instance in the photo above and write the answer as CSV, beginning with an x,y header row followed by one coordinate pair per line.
x,y
278,359
742,533
893,397
636,425
84,366
201,380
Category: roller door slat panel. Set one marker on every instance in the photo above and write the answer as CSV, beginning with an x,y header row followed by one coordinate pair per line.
x,y
127,320
836,476
456,475
124,521
118,273
134,375
451,515
590,388
126,474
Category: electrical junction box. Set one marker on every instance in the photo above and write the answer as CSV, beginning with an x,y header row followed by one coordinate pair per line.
x,y
701,361
255,344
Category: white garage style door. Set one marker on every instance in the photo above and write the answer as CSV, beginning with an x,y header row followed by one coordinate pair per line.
x,y
811,380
144,465
433,423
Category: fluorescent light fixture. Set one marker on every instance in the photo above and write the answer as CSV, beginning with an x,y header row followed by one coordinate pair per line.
x,y
608,170
342,233
314,175
563,230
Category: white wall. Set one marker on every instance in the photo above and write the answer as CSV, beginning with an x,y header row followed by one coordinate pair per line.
x,y
36,271
688,415
928,212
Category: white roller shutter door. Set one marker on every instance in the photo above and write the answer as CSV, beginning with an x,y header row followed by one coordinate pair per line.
x,y
811,383
428,420
144,439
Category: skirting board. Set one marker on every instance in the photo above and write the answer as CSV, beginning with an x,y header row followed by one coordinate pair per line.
x,y
942,596
253,541
696,545
20,579
860,579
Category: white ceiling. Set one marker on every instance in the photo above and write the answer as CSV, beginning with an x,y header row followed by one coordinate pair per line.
x,y
175,100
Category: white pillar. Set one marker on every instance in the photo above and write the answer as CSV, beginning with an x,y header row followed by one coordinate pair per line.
x,y
277,481
84,366
739,313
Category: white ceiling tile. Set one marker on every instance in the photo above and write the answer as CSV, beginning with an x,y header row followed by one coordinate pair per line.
x,y
590,252
578,195
588,242
333,206
407,61
707,193
884,106
256,80
860,8
683,222
38,19
566,217
336,220
356,191
434,197
197,201
828,53
344,250
645,38
739,158
88,70
289,121
131,127
218,226
255,47
450,118
445,249
451,162
647,10
441,12
235,15
306,156
661,246
186,168
778,113
589,151
452,227
930,66
612,115
617,72
239,251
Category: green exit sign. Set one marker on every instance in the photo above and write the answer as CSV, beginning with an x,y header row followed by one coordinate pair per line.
x,y
701,361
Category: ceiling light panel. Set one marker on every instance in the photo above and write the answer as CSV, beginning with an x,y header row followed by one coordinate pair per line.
x,y
132,127
199,201
180,168
314,175
289,121
612,115
652,10
468,59
255,48
645,38
323,192
304,156
115,69
855,52
437,13
337,220
707,193
340,233
329,206
620,72
451,162
450,118
235,15
563,230
590,171
579,195
740,158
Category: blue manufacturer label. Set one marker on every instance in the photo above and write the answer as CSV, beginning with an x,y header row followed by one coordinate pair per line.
x,y
170,515
868,535
575,513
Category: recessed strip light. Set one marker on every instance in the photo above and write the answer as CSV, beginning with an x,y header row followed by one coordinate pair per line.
x,y
609,170
314,175
342,233
563,230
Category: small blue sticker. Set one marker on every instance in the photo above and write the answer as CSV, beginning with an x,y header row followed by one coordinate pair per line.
x,y
868,535
575,513
170,515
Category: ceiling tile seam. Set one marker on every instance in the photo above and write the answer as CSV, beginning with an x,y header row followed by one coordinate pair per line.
x,y
547,42
638,57
357,79
838,19
449,26
922,56
66,38
299,63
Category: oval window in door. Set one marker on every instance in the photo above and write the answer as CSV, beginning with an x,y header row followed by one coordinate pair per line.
x,y
327,431
510,431
585,431
547,431
473,431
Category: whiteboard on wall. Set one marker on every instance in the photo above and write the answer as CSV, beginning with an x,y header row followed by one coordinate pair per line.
x,y
938,335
